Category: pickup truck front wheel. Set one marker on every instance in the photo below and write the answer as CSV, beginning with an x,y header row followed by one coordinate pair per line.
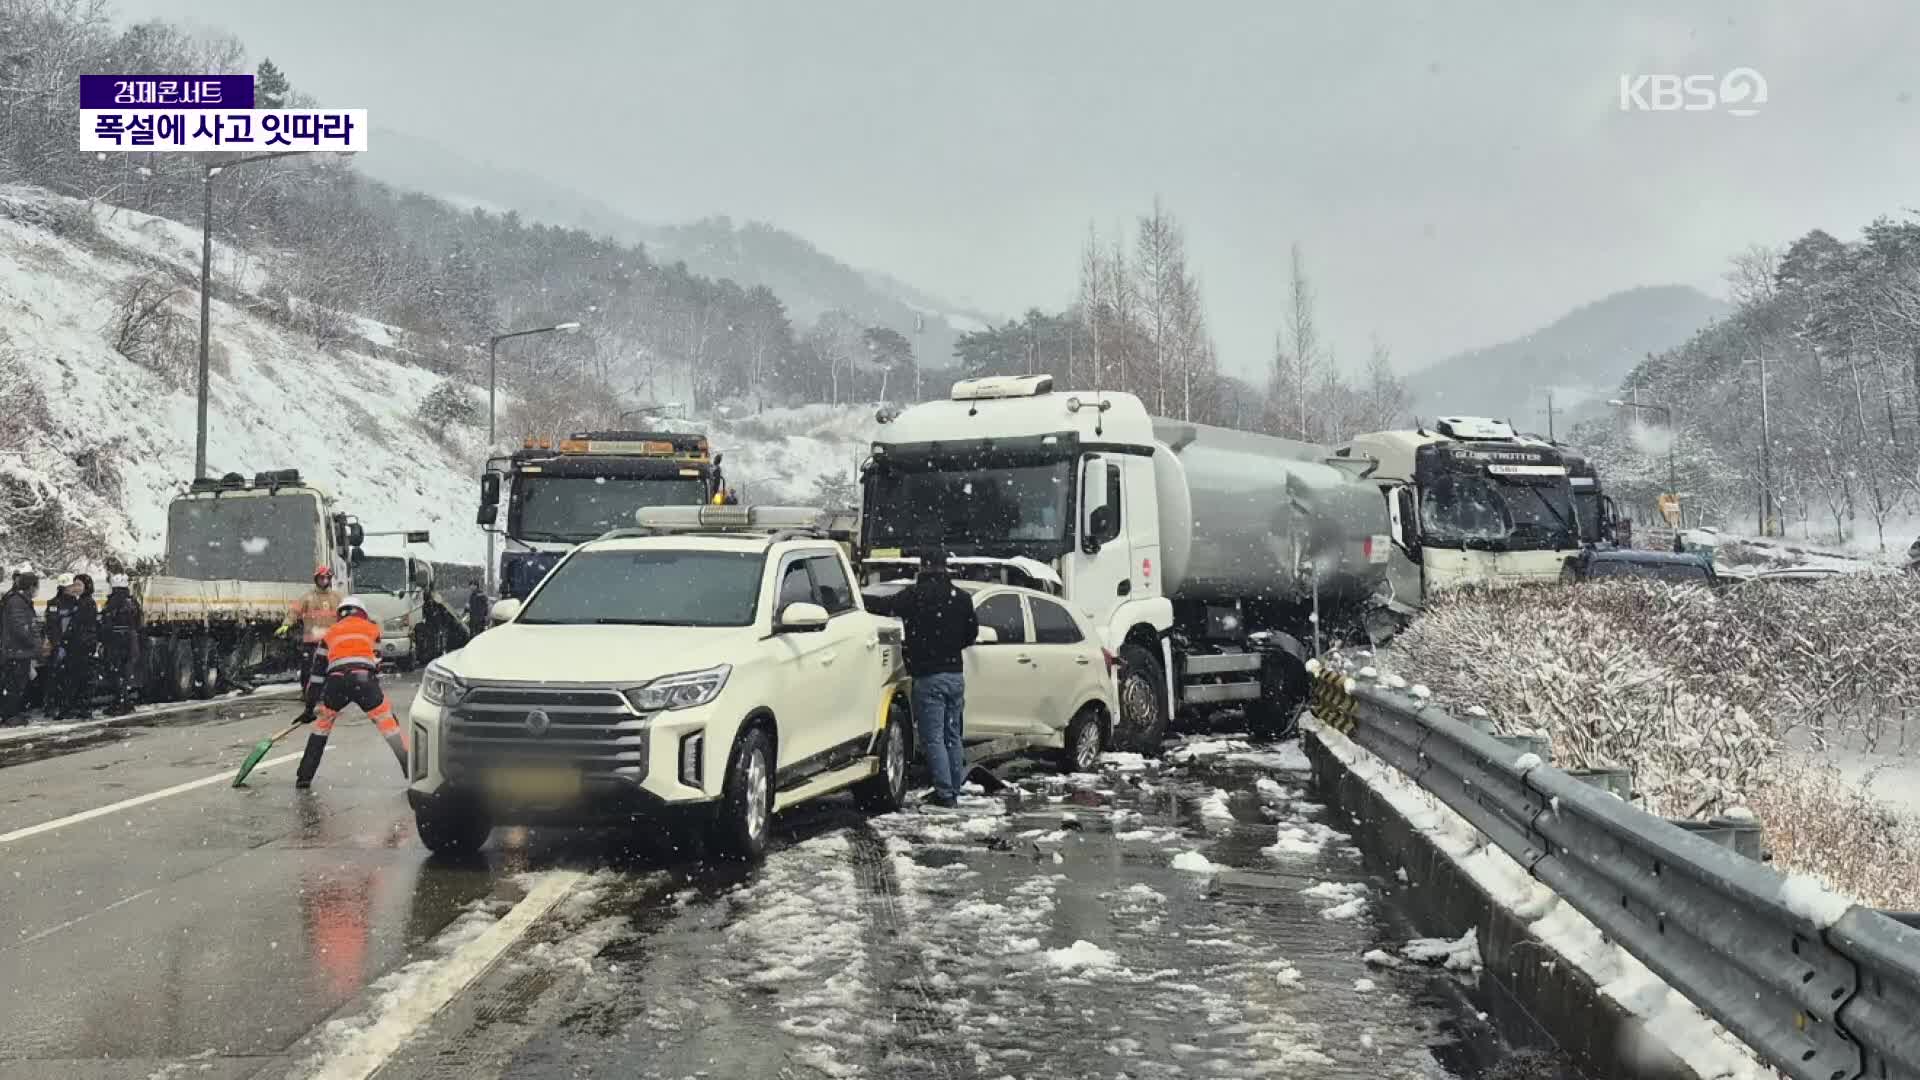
x,y
452,831
746,803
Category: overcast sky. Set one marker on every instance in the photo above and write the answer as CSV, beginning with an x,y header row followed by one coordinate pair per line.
x,y
1457,173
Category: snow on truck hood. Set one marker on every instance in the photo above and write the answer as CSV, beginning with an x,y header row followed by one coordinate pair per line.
x,y
596,654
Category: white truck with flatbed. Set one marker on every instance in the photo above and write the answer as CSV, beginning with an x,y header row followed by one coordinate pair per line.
x,y
715,663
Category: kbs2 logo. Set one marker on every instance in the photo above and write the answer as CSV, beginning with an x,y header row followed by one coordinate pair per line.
x,y
1739,92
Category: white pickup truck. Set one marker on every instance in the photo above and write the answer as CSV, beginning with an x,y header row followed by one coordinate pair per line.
x,y
715,662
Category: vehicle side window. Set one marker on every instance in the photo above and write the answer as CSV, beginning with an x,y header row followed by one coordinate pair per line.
x,y
796,586
1003,614
1052,625
830,582
1113,529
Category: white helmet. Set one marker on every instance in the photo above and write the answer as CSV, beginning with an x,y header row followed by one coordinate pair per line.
x,y
119,581
63,580
352,603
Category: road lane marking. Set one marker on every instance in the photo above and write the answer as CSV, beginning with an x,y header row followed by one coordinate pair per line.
x,y
373,1045
138,800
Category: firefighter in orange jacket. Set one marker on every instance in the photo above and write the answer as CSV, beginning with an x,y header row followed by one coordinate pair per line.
x,y
352,647
314,613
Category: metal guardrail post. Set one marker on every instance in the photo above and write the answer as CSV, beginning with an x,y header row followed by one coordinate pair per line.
x,y
1718,926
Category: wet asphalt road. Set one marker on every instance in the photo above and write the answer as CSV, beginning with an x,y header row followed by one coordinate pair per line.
x,y
224,933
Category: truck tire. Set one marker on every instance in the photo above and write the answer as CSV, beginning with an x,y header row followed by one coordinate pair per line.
x,y
179,685
1085,742
1283,691
886,791
452,831
745,813
1143,700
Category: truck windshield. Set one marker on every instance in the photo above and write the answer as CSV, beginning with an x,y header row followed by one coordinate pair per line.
x,y
380,573
575,509
650,588
1017,506
1477,511
243,538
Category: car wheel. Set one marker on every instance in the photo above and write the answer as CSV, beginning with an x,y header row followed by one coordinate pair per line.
x,y
1143,699
886,790
1085,742
746,802
452,831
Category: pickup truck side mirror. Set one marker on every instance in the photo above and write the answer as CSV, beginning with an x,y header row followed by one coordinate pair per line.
x,y
504,610
800,617
987,635
489,513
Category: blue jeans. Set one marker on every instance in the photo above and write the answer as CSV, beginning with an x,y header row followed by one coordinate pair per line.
x,y
939,707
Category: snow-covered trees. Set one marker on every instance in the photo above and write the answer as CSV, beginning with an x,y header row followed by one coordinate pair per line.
x,y
1834,329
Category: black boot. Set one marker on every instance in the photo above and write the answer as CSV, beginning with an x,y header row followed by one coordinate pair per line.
x,y
310,761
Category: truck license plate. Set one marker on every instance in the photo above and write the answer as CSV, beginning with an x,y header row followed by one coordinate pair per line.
x,y
536,784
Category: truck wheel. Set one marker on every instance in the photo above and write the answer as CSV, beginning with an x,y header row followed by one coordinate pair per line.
x,y
886,791
179,670
1143,699
452,831
1283,690
1084,743
746,802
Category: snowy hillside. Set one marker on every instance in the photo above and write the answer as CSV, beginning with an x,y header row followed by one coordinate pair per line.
x,y
100,439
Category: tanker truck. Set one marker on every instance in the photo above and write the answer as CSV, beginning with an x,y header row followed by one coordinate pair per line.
x,y
1214,562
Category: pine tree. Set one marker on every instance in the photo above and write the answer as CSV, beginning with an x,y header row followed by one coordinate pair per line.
x,y
270,87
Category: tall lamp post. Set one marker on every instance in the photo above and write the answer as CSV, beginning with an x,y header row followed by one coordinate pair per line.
x,y
493,371
1673,437
206,306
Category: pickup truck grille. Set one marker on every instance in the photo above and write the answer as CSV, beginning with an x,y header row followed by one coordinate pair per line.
x,y
587,727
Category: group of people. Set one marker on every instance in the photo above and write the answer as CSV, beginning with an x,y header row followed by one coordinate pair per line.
x,y
58,656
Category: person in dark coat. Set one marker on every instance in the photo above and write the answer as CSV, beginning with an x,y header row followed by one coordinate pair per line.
x,y
20,645
120,623
81,642
51,677
940,624
478,607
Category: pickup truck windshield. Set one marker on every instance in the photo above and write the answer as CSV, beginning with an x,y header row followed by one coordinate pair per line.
x,y
380,573
575,509
992,507
649,588
243,538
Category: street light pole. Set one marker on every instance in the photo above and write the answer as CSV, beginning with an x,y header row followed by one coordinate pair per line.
x,y
1673,435
493,371
206,300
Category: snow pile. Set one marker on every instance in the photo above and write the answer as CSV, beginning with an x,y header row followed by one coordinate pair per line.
x,y
1300,839
1080,956
1194,863
1666,1016
1812,901
1462,954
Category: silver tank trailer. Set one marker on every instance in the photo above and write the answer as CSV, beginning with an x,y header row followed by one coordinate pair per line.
x,y
1243,515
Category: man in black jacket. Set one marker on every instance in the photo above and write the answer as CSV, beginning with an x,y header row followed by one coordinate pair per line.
x,y
19,645
80,642
940,624
52,675
120,623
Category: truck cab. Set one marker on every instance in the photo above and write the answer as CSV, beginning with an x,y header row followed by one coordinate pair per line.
x,y
1471,503
396,589
1601,522
557,496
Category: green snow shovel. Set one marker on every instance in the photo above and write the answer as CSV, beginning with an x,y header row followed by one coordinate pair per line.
x,y
260,750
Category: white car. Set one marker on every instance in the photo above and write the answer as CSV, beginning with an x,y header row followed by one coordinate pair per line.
x,y
1038,676
725,670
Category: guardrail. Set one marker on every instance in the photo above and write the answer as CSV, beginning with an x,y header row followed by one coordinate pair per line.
x,y
1815,997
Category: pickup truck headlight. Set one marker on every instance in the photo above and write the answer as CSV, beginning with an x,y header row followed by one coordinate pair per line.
x,y
683,691
397,623
439,686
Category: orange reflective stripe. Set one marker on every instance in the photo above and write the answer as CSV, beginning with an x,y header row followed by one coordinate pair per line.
x,y
323,720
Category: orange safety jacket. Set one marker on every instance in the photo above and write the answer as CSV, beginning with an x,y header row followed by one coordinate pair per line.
x,y
316,611
353,642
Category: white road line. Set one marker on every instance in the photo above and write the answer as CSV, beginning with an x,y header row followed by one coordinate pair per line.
x,y
137,800
372,1046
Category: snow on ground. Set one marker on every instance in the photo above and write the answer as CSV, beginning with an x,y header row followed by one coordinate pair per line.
x,y
1666,1016
345,420
1461,954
